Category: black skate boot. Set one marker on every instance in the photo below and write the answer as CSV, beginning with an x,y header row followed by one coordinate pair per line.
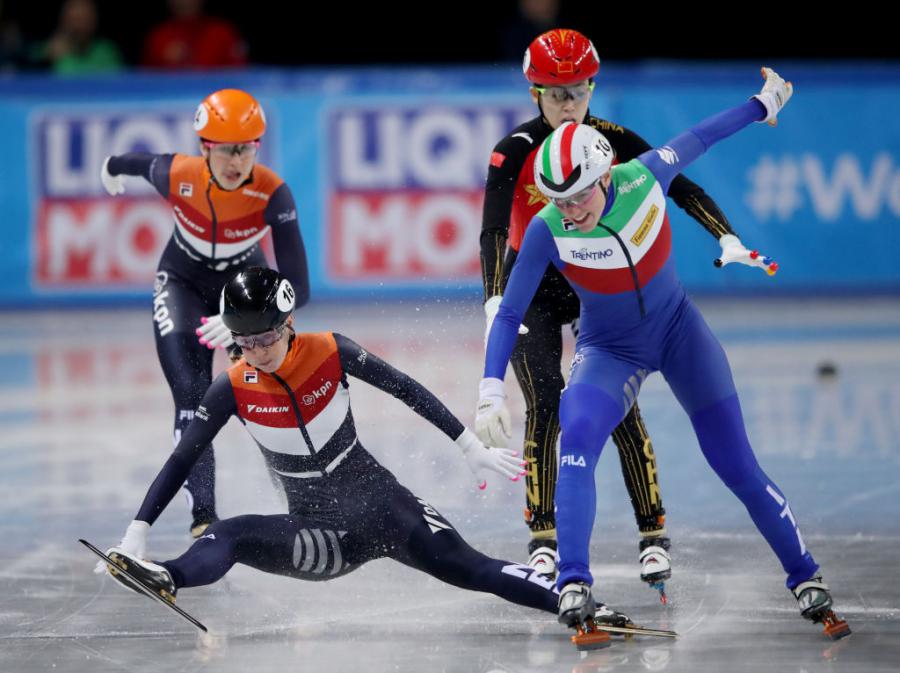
x,y
154,577
603,614
656,564
542,557
814,599
202,520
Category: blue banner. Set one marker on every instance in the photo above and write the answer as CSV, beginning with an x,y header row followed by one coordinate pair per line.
x,y
387,168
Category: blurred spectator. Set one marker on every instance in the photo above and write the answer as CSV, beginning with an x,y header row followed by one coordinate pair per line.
x,y
532,18
74,48
192,39
11,44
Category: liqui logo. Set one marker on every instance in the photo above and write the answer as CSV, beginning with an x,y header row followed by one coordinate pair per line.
x,y
406,188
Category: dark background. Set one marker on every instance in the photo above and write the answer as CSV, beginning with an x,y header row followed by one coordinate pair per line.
x,y
341,33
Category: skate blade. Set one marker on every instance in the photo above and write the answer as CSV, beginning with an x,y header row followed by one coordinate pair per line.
x,y
635,630
146,591
661,588
835,628
588,637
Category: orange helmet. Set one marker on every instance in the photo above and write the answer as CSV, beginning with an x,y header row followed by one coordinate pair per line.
x,y
230,116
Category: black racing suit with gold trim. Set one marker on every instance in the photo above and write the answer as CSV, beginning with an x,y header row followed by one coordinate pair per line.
x,y
511,200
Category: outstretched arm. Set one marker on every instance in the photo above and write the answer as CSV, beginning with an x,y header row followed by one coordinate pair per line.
x,y
492,420
217,407
281,216
361,364
672,158
154,168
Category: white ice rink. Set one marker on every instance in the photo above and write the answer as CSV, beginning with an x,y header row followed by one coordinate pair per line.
x,y
86,420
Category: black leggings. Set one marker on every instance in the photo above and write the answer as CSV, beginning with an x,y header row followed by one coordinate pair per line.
x,y
184,292
401,527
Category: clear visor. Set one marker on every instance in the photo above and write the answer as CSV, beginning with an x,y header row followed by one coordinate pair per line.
x,y
560,94
261,340
228,150
577,199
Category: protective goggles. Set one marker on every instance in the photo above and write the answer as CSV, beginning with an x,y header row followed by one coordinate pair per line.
x,y
576,200
228,150
560,94
261,340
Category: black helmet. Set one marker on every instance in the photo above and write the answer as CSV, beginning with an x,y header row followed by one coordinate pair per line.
x,y
256,300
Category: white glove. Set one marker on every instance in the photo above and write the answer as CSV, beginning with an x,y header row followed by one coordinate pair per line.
x,y
492,422
774,95
491,306
134,543
480,457
213,332
114,184
734,251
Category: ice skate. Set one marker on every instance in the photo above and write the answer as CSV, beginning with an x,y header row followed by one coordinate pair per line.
x,y
656,564
606,616
814,599
543,557
154,577
576,610
150,579
576,604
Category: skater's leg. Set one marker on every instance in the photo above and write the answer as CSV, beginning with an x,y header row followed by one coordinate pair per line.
x,y
601,388
187,366
698,372
536,363
281,544
588,415
435,547
638,462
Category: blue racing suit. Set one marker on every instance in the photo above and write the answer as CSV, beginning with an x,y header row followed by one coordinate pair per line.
x,y
637,319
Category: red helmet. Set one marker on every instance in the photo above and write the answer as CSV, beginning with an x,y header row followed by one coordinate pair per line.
x,y
230,116
560,57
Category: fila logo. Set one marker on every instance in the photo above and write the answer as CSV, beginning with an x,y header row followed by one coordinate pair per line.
x,y
186,189
255,408
251,377
668,155
573,461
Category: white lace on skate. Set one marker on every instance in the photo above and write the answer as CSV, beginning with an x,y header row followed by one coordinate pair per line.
x,y
813,597
655,563
543,560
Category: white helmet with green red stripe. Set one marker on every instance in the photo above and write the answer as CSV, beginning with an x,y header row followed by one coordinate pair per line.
x,y
571,159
